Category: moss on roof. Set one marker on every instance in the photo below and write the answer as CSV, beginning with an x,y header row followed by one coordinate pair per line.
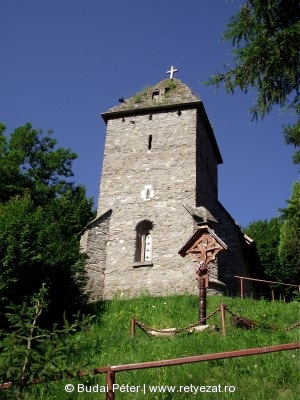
x,y
166,92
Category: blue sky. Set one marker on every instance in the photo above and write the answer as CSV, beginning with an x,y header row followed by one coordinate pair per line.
x,y
63,62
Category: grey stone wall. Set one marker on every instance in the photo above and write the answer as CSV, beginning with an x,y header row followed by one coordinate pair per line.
x,y
207,169
94,244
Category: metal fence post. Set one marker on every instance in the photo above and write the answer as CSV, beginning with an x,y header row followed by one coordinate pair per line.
x,y
222,310
110,380
273,296
132,326
242,287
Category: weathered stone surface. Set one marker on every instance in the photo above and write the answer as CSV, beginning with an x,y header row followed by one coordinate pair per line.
x,y
166,93
160,167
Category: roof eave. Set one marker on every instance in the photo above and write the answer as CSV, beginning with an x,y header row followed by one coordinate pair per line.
x,y
144,110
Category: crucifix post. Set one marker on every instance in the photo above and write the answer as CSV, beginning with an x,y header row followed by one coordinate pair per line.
x,y
202,301
202,278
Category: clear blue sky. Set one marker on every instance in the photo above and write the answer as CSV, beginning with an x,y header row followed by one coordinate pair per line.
x,y
63,62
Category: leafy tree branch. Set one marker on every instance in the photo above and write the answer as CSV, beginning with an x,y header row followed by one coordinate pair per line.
x,y
265,37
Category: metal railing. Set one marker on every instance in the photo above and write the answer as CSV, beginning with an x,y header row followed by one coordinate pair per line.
x,y
110,371
242,278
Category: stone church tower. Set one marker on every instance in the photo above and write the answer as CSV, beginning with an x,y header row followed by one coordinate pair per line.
x,y
159,182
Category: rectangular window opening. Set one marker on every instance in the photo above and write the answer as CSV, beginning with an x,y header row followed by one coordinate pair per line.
x,y
155,94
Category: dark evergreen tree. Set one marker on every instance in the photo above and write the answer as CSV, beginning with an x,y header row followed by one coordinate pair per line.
x,y
30,352
265,35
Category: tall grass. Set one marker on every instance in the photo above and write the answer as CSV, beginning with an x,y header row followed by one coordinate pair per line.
x,y
108,342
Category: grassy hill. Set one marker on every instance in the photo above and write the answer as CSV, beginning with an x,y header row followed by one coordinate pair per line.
x,y
108,342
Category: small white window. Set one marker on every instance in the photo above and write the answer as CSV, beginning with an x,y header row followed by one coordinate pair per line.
x,y
148,247
143,244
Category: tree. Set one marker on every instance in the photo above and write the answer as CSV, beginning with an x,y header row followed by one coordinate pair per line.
x,y
41,215
266,235
30,162
265,35
30,352
289,245
278,243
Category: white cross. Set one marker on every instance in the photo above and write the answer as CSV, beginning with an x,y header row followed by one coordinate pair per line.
x,y
171,71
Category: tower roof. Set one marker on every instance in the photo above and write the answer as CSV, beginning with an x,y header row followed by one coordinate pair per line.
x,y
164,94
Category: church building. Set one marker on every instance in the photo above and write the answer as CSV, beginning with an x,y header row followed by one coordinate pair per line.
x,y
159,184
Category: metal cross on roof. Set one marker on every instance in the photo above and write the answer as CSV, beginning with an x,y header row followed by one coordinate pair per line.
x,y
171,71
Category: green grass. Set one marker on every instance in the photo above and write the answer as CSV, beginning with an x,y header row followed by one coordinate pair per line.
x,y
108,342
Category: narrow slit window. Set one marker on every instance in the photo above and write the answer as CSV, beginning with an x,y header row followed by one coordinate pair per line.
x,y
150,142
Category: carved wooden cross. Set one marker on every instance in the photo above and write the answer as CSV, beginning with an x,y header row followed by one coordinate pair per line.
x,y
205,249
203,245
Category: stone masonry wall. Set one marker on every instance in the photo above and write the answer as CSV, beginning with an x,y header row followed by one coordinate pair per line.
x,y
207,169
94,244
169,168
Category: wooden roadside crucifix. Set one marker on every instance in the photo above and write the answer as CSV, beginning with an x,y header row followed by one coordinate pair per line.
x,y
203,246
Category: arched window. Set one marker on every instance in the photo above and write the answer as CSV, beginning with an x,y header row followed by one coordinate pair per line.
x,y
144,243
